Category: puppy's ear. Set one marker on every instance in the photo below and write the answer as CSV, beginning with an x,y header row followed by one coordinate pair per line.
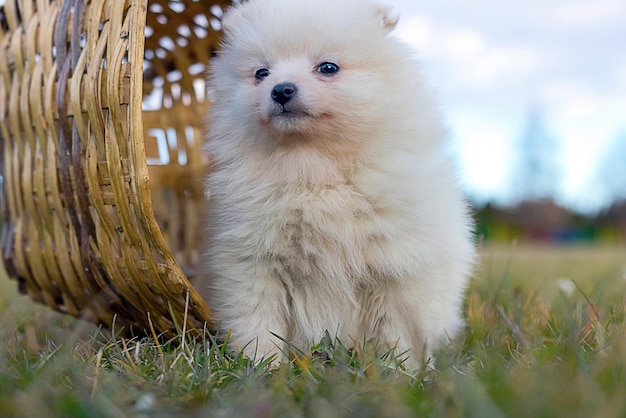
x,y
387,17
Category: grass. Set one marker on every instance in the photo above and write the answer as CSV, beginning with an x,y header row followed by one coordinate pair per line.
x,y
537,344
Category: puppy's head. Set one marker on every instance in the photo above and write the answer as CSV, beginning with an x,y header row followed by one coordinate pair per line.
x,y
307,69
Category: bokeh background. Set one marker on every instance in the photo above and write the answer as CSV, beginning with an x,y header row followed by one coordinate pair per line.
x,y
534,95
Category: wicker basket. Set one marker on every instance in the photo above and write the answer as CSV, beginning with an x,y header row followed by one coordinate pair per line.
x,y
102,104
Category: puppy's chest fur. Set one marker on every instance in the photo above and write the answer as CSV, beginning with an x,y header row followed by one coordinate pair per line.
x,y
320,234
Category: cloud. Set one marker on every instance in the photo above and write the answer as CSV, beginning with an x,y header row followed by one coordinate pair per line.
x,y
477,60
484,147
416,31
620,77
462,44
499,63
573,99
585,12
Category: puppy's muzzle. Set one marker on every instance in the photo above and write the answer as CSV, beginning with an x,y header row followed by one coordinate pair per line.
x,y
283,92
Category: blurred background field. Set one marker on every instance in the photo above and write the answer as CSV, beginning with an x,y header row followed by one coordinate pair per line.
x,y
540,265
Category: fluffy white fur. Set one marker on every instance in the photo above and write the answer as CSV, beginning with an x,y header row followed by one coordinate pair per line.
x,y
342,214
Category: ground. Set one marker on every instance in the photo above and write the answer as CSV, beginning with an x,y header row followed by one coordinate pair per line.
x,y
545,336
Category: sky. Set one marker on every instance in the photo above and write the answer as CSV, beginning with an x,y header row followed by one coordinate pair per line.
x,y
492,63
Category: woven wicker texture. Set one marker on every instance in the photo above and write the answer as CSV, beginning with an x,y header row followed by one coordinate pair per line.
x,y
101,118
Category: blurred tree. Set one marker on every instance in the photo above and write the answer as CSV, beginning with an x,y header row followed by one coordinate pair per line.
x,y
611,174
536,173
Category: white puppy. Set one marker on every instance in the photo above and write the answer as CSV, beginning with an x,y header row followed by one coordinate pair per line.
x,y
332,206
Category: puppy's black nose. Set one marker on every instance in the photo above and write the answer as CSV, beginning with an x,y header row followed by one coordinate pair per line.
x,y
283,92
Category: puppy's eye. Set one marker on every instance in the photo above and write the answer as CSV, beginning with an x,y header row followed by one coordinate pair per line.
x,y
261,74
328,68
